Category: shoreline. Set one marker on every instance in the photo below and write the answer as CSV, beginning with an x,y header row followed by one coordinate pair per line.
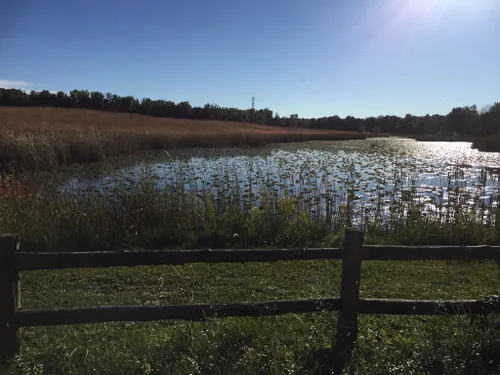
x,y
439,138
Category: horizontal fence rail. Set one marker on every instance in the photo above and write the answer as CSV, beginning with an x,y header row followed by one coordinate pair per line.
x,y
41,261
178,312
30,261
87,315
384,252
349,305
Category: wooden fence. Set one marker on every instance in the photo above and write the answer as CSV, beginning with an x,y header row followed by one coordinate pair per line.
x,y
349,305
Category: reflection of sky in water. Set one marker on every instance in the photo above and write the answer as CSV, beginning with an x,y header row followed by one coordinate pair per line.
x,y
432,170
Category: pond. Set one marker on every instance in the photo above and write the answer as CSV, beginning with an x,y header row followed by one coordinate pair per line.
x,y
370,176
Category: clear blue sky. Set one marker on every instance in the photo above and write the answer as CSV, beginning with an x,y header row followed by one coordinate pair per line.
x,y
314,58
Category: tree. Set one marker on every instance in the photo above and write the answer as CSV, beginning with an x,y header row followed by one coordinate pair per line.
x,y
293,121
462,120
184,110
351,124
268,115
210,111
62,99
128,104
97,99
495,117
276,120
13,97
80,98
46,98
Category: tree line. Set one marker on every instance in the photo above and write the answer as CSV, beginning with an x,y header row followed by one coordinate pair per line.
x,y
467,120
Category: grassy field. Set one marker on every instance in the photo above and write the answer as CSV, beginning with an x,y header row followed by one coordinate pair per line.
x,y
140,216
291,344
45,138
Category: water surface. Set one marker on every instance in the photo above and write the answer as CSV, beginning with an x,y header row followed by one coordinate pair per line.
x,y
371,174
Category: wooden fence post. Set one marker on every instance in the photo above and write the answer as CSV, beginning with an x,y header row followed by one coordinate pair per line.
x,y
9,297
347,328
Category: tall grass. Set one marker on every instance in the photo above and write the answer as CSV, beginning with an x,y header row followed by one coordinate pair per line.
x,y
187,211
45,138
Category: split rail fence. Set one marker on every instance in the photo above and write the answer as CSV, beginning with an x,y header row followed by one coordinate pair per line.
x,y
349,305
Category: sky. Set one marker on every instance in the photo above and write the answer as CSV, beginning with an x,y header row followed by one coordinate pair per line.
x,y
314,58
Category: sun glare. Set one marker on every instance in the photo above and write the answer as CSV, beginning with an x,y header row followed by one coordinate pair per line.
x,y
414,17
425,7
416,11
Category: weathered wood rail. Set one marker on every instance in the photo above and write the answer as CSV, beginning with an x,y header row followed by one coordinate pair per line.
x,y
349,305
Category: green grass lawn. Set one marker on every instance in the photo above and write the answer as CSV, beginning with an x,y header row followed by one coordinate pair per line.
x,y
289,344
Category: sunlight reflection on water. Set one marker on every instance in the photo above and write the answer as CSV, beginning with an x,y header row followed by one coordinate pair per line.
x,y
374,170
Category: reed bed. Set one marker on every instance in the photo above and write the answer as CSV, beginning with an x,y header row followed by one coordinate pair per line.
x,y
180,208
46,138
